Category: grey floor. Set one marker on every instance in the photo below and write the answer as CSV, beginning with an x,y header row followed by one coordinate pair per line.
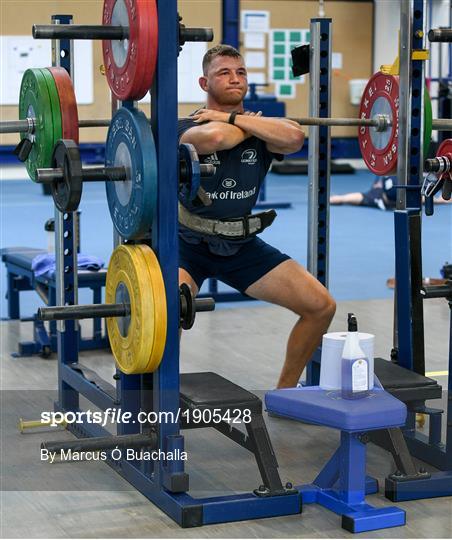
x,y
244,344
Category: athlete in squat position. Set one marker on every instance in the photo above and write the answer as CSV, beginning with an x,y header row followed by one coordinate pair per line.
x,y
220,240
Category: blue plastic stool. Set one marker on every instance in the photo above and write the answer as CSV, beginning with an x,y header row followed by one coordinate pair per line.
x,y
341,485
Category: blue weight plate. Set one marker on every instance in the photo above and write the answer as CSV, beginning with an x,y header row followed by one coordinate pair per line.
x,y
132,202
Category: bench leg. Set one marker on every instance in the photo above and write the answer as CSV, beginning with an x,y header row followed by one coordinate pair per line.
x,y
97,323
265,455
13,297
347,470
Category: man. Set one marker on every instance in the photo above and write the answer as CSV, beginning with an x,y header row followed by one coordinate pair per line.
x,y
382,195
214,240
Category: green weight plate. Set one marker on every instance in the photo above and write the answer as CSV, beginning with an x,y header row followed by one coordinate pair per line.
x,y
428,121
34,102
55,104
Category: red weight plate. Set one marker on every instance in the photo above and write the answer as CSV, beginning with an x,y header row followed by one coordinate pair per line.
x,y
68,103
130,64
379,150
445,148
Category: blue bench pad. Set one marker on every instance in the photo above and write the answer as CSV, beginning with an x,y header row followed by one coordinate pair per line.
x,y
22,257
327,408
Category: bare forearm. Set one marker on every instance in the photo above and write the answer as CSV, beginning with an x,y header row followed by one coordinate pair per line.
x,y
274,131
214,137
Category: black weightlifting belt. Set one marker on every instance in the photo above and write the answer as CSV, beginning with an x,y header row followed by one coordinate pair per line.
x,y
228,229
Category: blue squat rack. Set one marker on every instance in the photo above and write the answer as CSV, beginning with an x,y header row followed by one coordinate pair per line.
x,y
404,377
164,482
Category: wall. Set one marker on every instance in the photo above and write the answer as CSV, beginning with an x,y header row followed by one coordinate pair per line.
x,y
355,47
18,17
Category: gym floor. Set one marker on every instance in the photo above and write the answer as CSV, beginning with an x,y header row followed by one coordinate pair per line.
x,y
99,503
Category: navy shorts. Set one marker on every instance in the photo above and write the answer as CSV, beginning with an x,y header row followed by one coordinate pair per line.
x,y
379,196
253,260
374,198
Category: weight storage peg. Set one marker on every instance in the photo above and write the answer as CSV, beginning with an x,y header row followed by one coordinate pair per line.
x,y
189,306
440,35
193,34
67,174
129,34
135,309
48,112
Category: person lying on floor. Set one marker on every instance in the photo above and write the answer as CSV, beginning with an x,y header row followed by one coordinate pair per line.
x,y
382,195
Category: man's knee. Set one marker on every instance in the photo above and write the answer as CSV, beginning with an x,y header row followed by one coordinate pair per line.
x,y
328,307
324,308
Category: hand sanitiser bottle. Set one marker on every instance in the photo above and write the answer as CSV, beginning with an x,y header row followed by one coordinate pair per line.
x,y
355,365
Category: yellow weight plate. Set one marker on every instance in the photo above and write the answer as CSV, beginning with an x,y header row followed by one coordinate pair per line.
x,y
131,347
157,322
157,286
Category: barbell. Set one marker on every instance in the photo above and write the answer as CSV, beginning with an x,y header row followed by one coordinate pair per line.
x,y
48,112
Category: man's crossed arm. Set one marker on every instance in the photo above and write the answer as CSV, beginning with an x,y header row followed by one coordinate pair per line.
x,y
282,136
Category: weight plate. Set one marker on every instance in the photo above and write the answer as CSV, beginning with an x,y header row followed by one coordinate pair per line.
x,y
379,149
190,169
130,63
130,144
445,148
68,103
428,121
34,102
133,275
160,310
55,105
67,192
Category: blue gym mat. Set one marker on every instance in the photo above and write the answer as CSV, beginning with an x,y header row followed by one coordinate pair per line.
x,y
361,239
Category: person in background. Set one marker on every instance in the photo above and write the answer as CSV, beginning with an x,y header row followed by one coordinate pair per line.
x,y
382,195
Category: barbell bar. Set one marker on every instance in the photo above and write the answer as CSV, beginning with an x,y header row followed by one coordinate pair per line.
x,y
27,125
102,174
100,311
110,32
89,174
79,31
440,35
381,122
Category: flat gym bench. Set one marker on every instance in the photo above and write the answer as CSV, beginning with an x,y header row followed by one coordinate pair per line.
x,y
20,277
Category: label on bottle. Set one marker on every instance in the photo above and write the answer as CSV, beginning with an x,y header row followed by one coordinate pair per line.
x,y
360,378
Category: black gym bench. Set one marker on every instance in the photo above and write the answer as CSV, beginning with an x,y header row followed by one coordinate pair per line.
x,y
205,392
410,482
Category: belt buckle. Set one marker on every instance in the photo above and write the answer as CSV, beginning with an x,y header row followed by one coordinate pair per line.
x,y
241,236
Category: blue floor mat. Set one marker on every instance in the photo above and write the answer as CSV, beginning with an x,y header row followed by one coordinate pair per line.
x,y
361,239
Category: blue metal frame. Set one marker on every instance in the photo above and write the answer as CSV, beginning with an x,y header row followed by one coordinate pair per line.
x,y
341,486
409,303
407,226
323,159
231,23
158,391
